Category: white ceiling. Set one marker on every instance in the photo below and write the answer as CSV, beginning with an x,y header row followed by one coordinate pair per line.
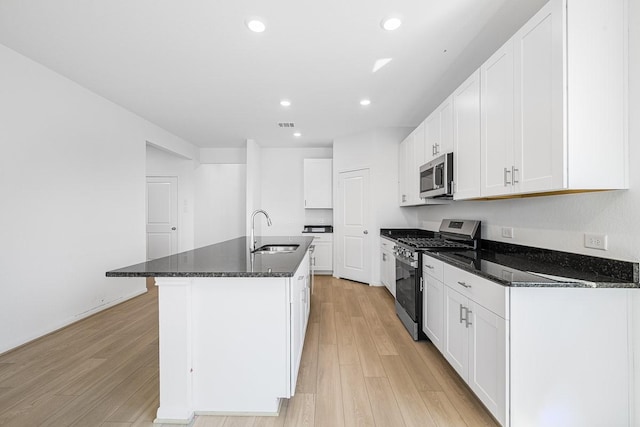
x,y
193,68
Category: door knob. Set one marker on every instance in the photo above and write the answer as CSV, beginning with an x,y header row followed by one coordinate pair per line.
x,y
173,228
366,231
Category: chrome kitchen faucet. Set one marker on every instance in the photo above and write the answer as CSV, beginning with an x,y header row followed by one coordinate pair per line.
x,y
252,244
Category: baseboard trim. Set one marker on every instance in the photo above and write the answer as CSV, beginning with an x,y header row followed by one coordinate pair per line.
x,y
76,318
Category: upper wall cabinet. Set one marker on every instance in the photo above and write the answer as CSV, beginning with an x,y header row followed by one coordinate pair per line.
x,y
554,103
318,188
410,158
438,128
466,139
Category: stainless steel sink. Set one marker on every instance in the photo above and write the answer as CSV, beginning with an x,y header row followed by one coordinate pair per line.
x,y
276,249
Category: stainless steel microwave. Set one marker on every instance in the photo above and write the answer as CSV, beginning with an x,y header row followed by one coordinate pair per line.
x,y
436,178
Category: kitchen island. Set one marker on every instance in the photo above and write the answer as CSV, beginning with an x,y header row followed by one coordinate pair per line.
x,y
232,326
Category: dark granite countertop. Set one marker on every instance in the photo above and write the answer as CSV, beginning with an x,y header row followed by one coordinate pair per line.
x,y
525,266
225,259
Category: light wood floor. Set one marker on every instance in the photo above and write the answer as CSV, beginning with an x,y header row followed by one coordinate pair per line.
x,y
359,368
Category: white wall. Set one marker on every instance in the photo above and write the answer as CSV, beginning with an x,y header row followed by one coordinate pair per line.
x,y
223,155
377,151
281,189
164,163
254,176
220,193
72,179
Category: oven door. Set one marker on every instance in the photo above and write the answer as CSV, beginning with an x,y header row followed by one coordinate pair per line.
x,y
406,282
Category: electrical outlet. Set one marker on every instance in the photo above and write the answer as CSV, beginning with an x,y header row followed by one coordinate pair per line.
x,y
595,241
507,232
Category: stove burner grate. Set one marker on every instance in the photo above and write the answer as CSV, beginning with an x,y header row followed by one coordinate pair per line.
x,y
431,243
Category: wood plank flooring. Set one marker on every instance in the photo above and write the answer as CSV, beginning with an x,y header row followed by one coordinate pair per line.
x,y
359,368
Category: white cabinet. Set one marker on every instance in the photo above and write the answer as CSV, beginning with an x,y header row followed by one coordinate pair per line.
x,y
466,138
322,257
554,103
476,336
433,301
456,349
439,131
300,303
412,155
387,265
318,187
410,158
497,137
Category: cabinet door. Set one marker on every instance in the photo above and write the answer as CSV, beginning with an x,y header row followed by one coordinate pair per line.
x,y
388,271
417,160
403,170
432,139
456,336
298,323
445,145
323,255
318,184
433,315
384,268
539,146
487,359
466,138
497,136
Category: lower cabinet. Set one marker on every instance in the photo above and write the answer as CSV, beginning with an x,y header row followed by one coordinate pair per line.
x,y
473,338
387,265
433,301
533,355
323,253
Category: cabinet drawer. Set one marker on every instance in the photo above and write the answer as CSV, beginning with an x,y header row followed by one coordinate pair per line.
x,y
432,267
321,237
490,295
386,244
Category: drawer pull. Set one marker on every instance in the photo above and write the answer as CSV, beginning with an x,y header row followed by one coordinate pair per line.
x,y
461,317
429,266
464,284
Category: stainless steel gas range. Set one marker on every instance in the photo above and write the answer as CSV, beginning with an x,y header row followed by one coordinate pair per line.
x,y
453,234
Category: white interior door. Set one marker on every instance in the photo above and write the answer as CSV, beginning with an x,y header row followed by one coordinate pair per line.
x,y
355,243
162,216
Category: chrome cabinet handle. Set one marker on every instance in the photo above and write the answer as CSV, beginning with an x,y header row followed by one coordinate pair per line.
x,y
365,232
430,267
173,228
513,174
384,257
466,319
464,284
437,148
461,318
506,181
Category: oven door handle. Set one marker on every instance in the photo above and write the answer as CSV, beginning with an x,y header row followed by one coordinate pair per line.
x,y
410,262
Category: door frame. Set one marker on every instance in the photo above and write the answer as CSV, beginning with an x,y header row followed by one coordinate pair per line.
x,y
339,226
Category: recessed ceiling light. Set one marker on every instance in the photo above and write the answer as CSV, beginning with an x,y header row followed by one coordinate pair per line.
x,y
391,23
380,63
285,103
365,102
256,25
297,134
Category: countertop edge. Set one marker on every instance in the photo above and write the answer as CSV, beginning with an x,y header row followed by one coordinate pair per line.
x,y
568,284
300,252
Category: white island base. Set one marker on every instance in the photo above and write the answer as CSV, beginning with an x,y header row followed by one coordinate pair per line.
x,y
230,345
